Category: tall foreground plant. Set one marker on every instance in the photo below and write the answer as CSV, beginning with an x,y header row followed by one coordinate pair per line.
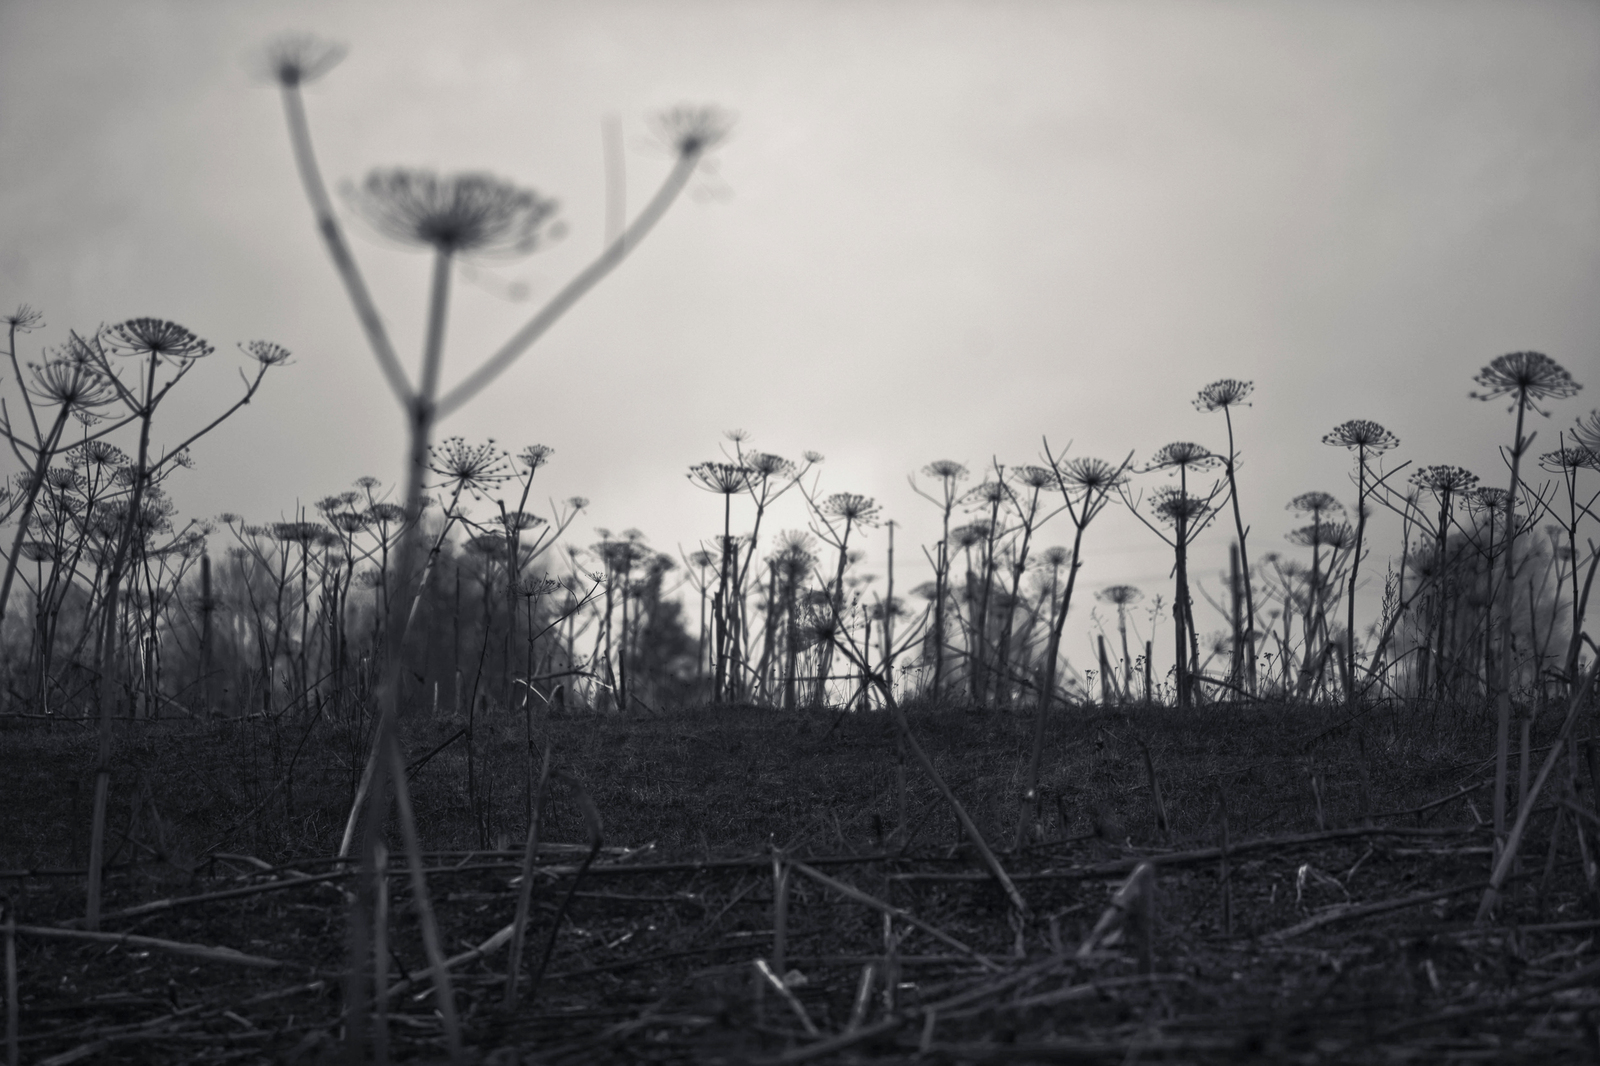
x,y
453,216
1528,378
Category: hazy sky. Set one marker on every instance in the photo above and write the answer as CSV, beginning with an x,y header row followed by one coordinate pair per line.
x,y
940,230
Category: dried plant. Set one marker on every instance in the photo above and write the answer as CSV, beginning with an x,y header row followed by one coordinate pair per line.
x,y
1529,379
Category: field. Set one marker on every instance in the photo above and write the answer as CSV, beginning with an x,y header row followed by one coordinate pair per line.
x,y
1356,860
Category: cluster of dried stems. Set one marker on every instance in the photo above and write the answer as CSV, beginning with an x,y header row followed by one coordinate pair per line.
x,y
327,615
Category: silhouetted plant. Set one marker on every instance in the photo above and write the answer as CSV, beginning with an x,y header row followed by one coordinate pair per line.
x,y
1224,396
1366,439
948,473
1528,379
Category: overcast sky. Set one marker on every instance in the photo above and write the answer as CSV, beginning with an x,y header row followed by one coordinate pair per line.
x,y
939,230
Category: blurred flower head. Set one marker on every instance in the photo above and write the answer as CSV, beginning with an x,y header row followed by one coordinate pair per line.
x,y
535,455
1315,504
24,319
946,470
266,353
691,129
1178,508
460,214
1121,595
293,59
852,507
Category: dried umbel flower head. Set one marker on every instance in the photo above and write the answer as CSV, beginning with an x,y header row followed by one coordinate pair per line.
x,y
1183,455
66,379
765,465
1121,595
1564,459
535,587
1089,476
470,467
1036,477
520,521
97,454
293,59
24,319
723,478
1179,508
535,455
1527,377
1228,392
1360,434
266,353
987,493
1489,499
297,532
1315,504
1444,480
693,129
1055,557
971,534
156,338
852,507
945,470
459,214
1322,535
1587,432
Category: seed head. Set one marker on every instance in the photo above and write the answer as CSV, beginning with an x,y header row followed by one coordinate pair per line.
x,y
1491,499
24,319
1228,392
971,534
461,213
1587,433
1444,481
1563,459
852,507
987,492
722,478
1315,504
1121,595
535,455
473,467
1036,477
67,379
693,130
1362,435
1526,377
297,532
766,465
1056,557
520,521
1090,476
1182,455
945,470
293,59
154,337
266,353
98,454
1178,508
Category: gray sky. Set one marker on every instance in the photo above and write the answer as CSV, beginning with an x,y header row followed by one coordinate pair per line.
x,y
940,230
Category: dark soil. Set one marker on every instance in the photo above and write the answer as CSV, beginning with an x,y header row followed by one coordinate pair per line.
x,y
654,958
